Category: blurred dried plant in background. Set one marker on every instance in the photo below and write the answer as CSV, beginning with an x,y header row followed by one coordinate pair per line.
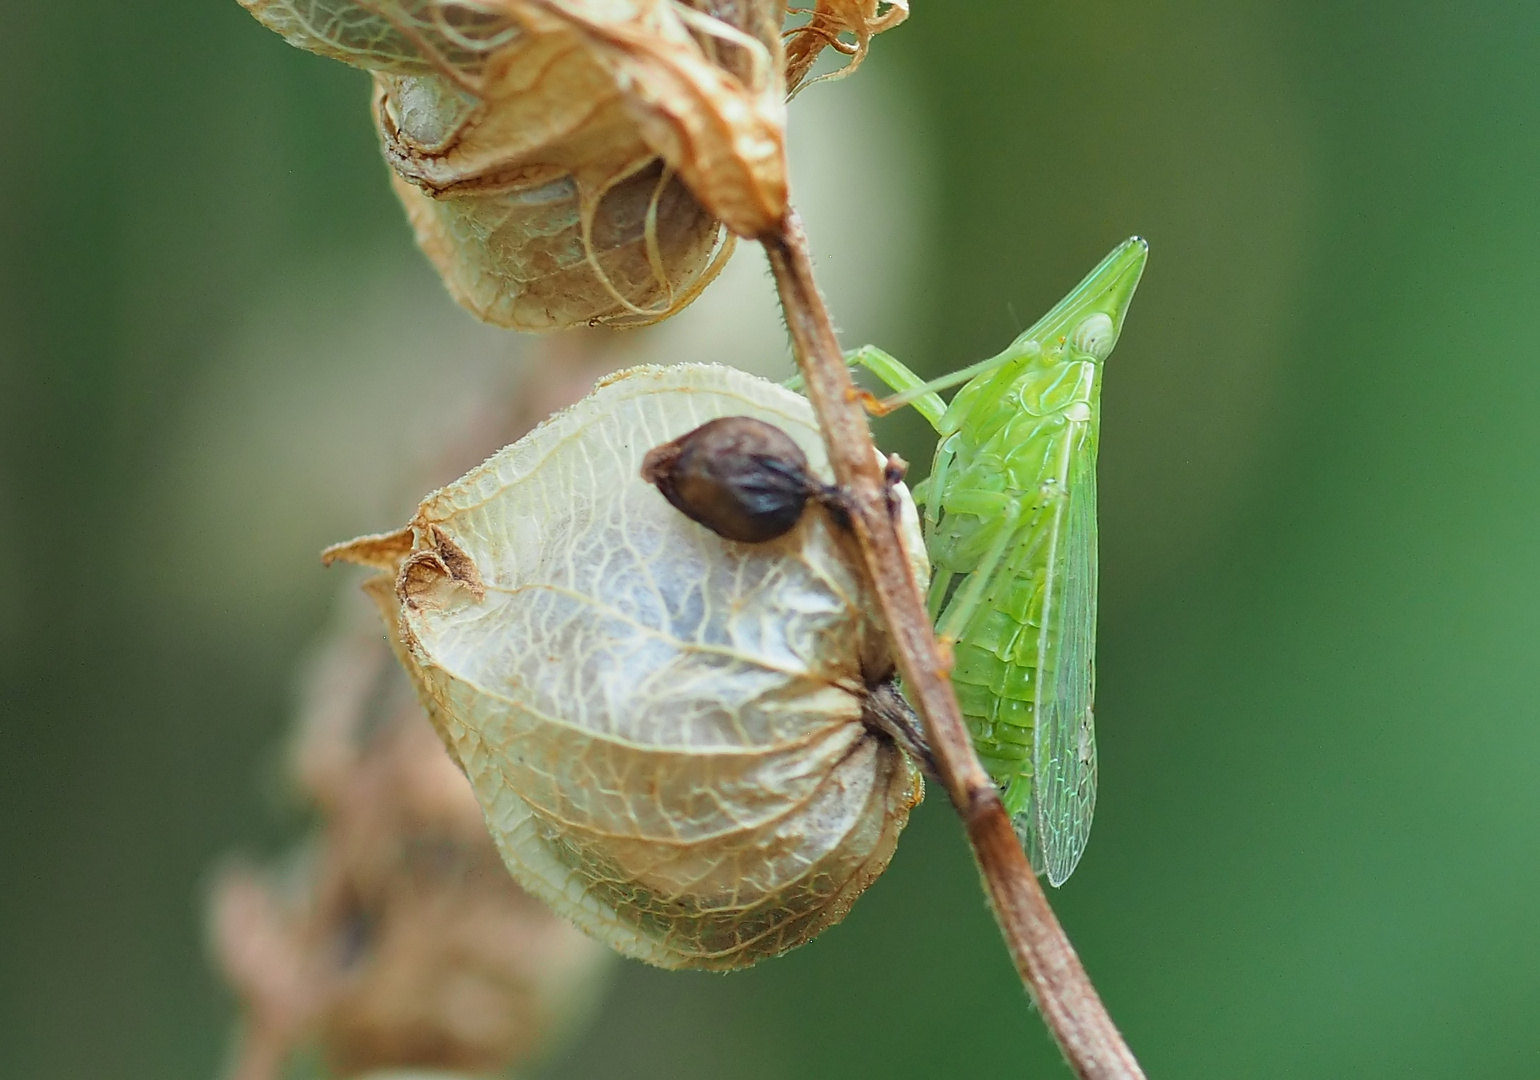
x,y
393,938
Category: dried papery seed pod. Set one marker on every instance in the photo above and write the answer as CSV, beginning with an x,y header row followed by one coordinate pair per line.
x,y
665,729
565,162
740,477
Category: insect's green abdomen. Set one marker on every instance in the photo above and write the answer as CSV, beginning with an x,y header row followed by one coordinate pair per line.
x,y
995,676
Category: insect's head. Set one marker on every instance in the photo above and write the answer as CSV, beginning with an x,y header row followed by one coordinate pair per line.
x,y
1090,318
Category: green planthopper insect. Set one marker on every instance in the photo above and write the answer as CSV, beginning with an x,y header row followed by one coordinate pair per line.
x,y
1010,526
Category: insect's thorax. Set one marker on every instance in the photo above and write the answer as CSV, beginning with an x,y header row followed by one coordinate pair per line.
x,y
1016,436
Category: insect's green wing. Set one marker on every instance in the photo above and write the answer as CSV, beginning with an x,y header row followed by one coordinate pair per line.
x,y
1064,734
1064,738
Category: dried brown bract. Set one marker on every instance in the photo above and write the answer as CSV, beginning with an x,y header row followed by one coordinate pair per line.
x,y
846,26
568,161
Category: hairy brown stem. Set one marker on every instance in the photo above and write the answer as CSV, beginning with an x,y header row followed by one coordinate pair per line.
x,y
1047,962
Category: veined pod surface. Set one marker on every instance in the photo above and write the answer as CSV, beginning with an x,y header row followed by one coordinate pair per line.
x,y
567,162
664,728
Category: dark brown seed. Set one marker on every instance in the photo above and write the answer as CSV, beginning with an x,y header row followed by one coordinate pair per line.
x,y
742,478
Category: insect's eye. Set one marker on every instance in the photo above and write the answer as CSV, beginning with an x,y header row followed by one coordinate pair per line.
x,y
1095,335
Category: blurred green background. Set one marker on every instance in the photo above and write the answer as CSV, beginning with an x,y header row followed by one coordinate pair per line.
x,y
1314,848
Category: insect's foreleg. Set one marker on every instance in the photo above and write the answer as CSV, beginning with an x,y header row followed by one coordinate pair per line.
x,y
909,388
895,376
916,391
934,490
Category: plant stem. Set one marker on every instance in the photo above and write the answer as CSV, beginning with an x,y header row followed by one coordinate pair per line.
x,y
1044,957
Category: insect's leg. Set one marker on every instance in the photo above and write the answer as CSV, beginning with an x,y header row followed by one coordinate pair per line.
x,y
940,581
935,486
913,393
973,592
895,376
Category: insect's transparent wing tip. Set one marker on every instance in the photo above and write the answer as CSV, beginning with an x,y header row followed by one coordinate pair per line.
x,y
1055,866
1065,821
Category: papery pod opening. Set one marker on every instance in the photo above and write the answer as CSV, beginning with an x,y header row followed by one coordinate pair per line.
x,y
568,161
665,729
